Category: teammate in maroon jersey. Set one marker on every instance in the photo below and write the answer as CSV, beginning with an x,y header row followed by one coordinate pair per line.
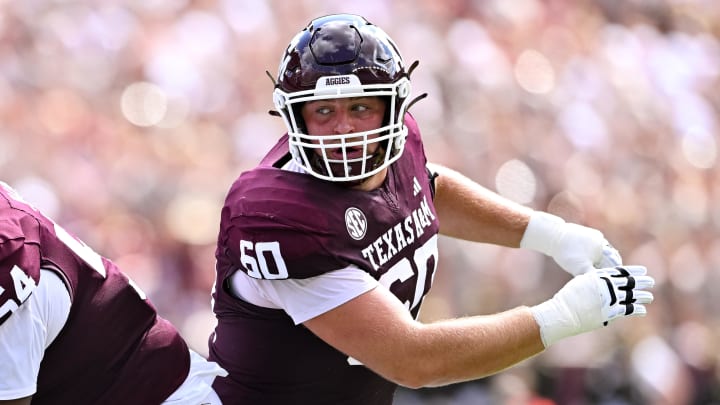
x,y
327,248
75,330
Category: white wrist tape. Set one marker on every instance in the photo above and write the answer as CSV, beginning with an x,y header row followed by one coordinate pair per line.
x,y
578,307
542,232
553,321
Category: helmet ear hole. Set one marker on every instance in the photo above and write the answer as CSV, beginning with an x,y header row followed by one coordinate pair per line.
x,y
278,99
403,90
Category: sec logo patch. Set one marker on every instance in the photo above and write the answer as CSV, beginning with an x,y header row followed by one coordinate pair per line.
x,y
356,223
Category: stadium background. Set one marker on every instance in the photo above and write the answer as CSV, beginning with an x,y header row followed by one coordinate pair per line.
x,y
127,121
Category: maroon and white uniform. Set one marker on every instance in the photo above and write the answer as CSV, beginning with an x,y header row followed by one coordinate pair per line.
x,y
281,228
113,347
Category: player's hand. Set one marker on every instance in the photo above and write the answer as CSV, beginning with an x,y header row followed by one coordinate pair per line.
x,y
592,300
578,249
575,248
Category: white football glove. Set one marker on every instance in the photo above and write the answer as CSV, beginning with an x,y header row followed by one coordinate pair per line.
x,y
575,248
591,300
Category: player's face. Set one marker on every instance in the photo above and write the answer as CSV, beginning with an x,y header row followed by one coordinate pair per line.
x,y
343,116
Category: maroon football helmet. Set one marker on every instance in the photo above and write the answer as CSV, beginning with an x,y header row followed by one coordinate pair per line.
x,y
343,56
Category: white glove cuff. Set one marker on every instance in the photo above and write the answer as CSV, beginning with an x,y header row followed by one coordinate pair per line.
x,y
541,233
553,322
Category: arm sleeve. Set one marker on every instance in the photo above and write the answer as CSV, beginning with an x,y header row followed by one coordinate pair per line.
x,y
28,332
304,299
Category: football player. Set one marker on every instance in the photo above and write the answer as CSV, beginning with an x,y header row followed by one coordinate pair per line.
x,y
327,248
75,330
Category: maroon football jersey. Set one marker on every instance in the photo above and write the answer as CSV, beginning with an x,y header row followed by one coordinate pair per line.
x,y
113,349
277,225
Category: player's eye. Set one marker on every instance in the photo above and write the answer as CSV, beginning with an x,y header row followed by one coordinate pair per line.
x,y
323,110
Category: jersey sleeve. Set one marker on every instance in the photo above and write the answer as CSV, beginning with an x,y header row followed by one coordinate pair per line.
x,y
25,336
19,270
304,299
267,249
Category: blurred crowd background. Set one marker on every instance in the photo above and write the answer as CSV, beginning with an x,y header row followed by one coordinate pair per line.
x,y
127,121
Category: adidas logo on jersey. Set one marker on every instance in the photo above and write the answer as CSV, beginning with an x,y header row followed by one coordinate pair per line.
x,y
417,188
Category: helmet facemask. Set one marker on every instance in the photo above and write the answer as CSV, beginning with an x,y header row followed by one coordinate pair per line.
x,y
318,154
